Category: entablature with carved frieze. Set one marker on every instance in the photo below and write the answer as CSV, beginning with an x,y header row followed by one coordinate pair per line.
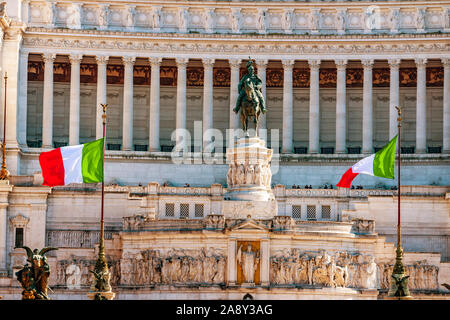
x,y
298,47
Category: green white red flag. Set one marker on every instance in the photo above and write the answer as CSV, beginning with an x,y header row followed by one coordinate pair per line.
x,y
73,164
380,164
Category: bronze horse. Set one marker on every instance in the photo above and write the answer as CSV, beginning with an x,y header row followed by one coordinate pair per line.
x,y
250,106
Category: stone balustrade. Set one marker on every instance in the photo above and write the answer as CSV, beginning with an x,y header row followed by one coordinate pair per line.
x,y
263,17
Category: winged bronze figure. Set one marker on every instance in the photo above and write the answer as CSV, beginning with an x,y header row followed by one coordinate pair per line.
x,y
34,275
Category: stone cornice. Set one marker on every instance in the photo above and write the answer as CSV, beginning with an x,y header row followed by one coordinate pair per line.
x,y
261,3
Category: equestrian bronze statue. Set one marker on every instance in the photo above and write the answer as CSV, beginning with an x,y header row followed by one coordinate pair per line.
x,y
251,100
34,276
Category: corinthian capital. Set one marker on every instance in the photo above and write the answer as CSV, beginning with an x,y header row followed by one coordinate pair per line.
x,y
288,64
182,62
155,61
235,63
75,58
261,63
208,62
446,62
102,59
341,64
129,60
367,63
49,57
394,63
314,64
420,62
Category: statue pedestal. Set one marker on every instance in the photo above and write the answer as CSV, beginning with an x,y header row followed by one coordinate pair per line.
x,y
249,176
249,179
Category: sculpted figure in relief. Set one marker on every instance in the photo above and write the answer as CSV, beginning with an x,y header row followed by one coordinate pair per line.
x,y
257,174
287,20
249,261
249,174
103,16
209,20
240,174
261,22
49,13
182,19
341,21
235,21
371,274
230,173
314,20
420,13
73,273
129,22
395,20
74,16
156,18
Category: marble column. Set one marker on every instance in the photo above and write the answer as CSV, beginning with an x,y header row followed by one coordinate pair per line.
x,y
265,262
127,125
394,99
446,106
261,66
235,64
22,103
314,107
421,107
47,106
5,189
154,105
181,100
288,121
231,265
25,11
74,111
207,101
341,112
367,125
102,62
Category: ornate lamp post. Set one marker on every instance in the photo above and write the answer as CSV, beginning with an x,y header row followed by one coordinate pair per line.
x,y
4,174
101,288
399,283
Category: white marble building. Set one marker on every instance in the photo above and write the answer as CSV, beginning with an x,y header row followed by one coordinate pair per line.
x,y
333,72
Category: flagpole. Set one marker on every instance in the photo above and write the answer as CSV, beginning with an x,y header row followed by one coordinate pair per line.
x,y
399,282
4,173
101,288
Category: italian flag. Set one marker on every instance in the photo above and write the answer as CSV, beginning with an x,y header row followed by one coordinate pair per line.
x,y
380,164
74,164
